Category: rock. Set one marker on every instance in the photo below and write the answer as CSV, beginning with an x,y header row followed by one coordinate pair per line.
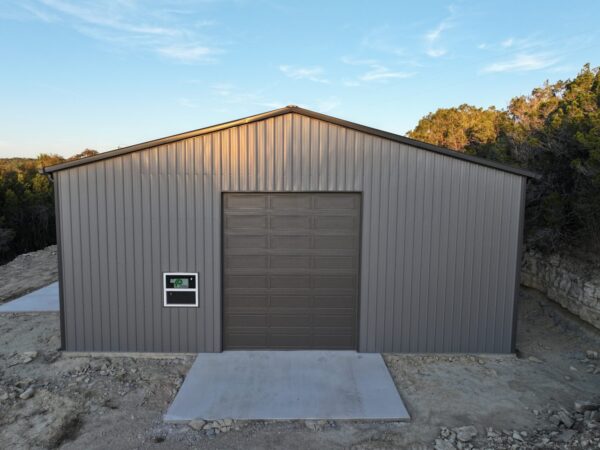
x,y
534,359
582,406
197,424
465,434
491,433
211,425
315,425
591,354
158,438
572,369
441,444
516,436
565,418
567,435
28,393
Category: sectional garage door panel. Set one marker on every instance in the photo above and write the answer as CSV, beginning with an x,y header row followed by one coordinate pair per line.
x,y
291,270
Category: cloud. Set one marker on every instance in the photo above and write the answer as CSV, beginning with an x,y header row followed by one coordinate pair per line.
x,y
187,103
357,62
377,72
44,16
381,39
230,94
434,35
188,53
382,73
436,52
432,38
328,104
304,73
507,43
522,63
350,83
133,26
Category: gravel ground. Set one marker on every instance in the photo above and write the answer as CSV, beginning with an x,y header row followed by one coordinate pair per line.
x,y
50,399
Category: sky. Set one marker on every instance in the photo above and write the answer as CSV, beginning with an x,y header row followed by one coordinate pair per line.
x,y
110,73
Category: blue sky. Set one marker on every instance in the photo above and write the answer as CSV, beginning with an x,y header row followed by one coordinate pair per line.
x,y
108,73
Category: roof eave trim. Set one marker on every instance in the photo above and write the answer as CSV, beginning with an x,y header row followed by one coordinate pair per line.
x,y
287,110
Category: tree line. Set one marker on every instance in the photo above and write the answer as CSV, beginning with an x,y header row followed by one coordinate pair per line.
x,y
554,131
27,220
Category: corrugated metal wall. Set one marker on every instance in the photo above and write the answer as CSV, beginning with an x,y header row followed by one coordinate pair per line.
x,y
439,252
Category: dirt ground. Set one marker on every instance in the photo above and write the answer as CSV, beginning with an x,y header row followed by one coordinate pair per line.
x,y
28,272
50,399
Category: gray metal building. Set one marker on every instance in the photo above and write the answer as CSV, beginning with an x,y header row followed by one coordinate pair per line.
x,y
289,229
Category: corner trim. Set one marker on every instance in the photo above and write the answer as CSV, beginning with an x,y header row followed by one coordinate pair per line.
x,y
513,339
61,296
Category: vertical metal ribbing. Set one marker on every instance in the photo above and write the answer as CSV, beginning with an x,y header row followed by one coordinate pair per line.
x,y
438,248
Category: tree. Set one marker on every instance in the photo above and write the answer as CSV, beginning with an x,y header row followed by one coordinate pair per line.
x,y
459,128
554,131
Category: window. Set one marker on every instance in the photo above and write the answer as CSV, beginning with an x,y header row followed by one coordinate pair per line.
x,y
180,289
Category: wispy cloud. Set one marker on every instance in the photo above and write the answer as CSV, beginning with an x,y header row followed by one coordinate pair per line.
x,y
129,25
382,73
436,52
434,35
433,45
350,83
376,72
188,52
522,62
44,16
382,39
327,104
230,94
522,54
357,61
187,103
304,73
507,42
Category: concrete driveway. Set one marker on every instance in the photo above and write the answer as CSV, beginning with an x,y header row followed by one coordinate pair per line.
x,y
44,299
287,385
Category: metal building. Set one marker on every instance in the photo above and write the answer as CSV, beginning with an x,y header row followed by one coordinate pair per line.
x,y
288,230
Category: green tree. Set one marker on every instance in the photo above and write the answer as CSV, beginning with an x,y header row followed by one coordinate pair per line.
x,y
554,131
459,128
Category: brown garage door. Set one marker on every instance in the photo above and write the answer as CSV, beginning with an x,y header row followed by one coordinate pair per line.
x,y
290,274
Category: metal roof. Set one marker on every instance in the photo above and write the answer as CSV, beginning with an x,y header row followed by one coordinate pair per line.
x,y
297,110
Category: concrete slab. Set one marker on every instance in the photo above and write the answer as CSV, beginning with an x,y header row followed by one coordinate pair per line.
x,y
287,385
44,299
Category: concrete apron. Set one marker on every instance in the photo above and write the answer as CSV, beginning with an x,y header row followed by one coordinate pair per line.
x,y
42,300
287,385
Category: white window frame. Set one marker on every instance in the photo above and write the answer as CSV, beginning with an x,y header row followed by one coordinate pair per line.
x,y
166,289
